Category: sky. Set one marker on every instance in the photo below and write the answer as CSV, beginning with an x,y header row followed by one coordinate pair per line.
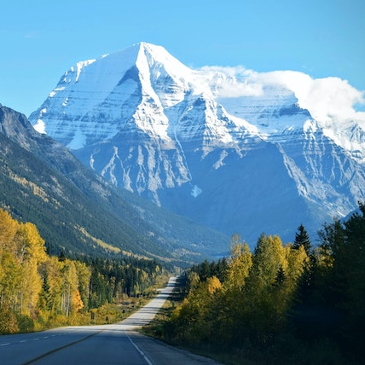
x,y
40,40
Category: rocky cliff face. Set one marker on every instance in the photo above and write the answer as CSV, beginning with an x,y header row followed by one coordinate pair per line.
x,y
75,209
234,154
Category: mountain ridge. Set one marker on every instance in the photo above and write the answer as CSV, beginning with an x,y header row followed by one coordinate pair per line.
x,y
184,139
74,208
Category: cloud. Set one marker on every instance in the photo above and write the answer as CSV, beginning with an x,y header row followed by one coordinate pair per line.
x,y
231,82
324,98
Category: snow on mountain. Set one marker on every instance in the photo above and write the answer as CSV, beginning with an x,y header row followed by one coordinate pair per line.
x,y
269,100
228,147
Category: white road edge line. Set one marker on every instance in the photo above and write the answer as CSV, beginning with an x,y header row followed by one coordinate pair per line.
x,y
139,350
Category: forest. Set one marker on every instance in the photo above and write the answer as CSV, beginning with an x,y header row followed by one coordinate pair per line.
x,y
39,291
294,303
297,302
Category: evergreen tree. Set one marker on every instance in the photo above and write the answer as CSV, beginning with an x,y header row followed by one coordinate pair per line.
x,y
204,271
349,277
280,278
62,256
302,239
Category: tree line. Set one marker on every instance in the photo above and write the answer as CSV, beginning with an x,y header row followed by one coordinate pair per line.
x,y
37,289
281,303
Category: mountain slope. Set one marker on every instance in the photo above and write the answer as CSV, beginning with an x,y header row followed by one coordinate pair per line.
x,y
226,152
42,182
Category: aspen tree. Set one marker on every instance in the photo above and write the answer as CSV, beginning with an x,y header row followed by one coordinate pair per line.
x,y
239,264
31,254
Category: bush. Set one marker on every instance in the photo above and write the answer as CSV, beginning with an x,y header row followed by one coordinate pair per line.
x,y
8,321
25,323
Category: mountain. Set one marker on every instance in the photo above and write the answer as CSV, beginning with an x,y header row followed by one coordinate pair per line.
x,y
76,210
233,151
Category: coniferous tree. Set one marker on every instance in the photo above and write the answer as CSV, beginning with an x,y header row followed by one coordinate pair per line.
x,y
204,271
280,277
348,277
62,256
302,239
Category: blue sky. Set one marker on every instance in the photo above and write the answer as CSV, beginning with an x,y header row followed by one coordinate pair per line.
x,y
40,40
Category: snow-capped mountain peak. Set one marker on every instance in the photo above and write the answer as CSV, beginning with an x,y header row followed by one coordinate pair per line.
x,y
229,147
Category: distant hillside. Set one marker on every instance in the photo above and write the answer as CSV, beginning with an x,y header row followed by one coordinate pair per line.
x,y
75,210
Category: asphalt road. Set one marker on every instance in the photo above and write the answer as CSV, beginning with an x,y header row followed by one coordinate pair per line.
x,y
118,343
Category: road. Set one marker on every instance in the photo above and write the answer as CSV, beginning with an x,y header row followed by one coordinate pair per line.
x,y
118,343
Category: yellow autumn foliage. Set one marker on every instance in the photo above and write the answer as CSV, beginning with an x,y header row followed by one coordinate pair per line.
x,y
33,282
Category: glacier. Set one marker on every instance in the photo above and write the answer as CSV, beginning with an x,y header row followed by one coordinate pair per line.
x,y
230,148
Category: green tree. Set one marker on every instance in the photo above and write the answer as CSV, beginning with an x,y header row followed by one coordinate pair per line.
x,y
345,243
264,307
302,239
268,257
52,285
193,320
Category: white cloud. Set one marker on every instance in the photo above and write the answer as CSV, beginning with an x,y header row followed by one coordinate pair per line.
x,y
231,82
325,98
